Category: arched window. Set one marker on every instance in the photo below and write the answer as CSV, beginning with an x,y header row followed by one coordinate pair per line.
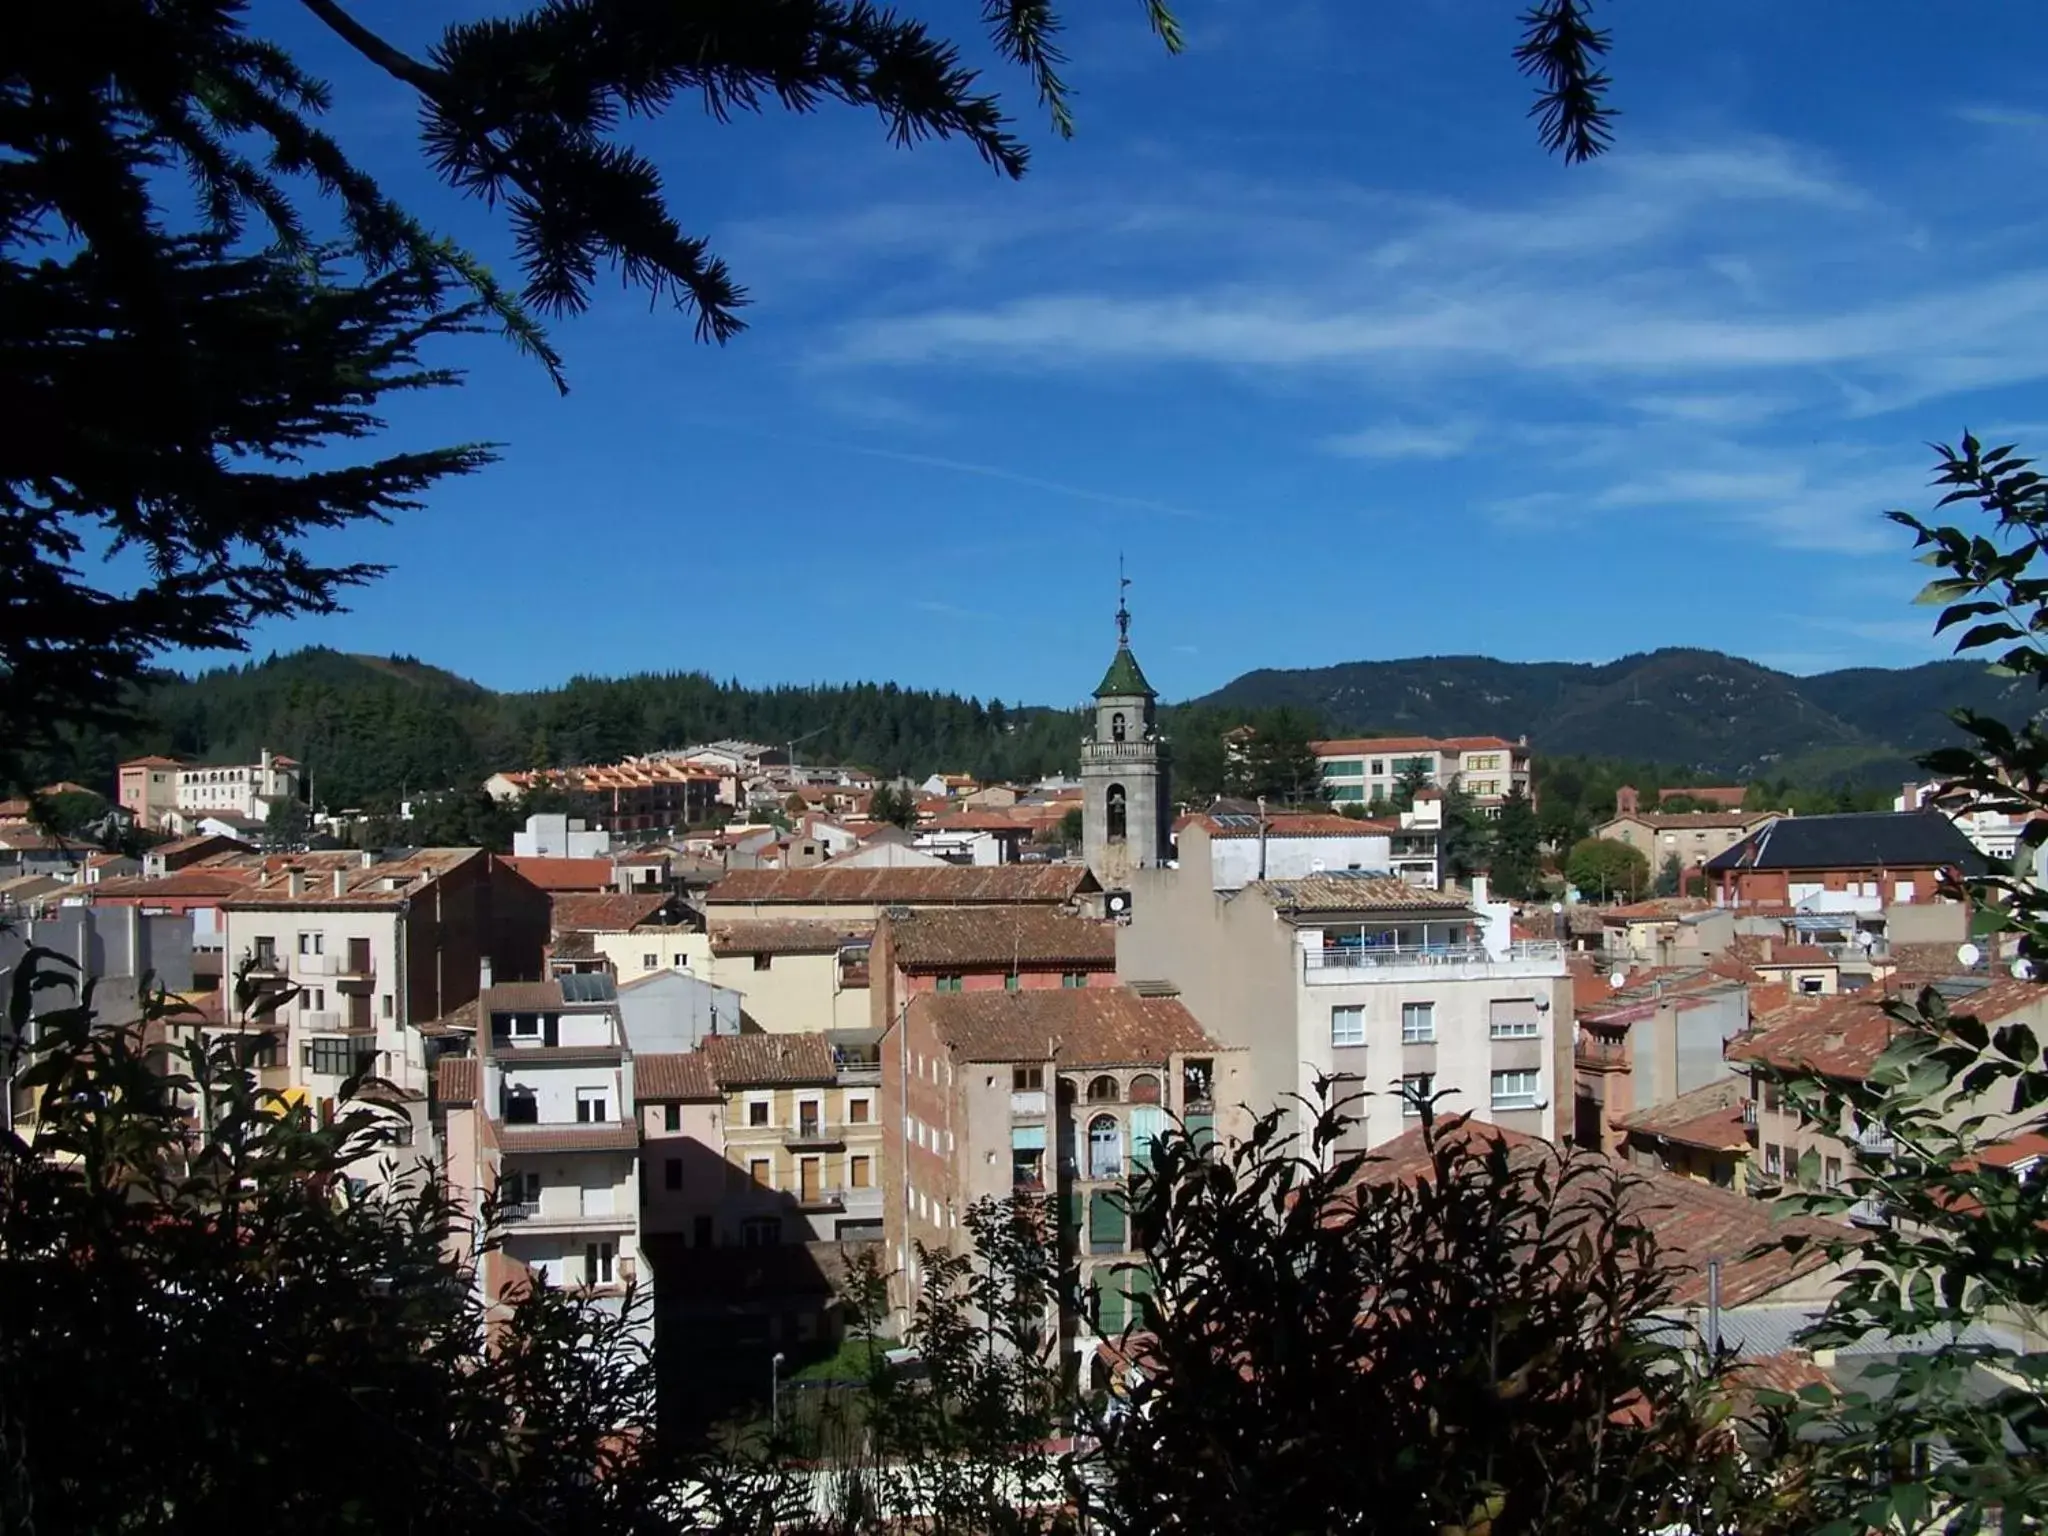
x,y
1118,817
1102,1090
1116,726
1144,1089
1105,1148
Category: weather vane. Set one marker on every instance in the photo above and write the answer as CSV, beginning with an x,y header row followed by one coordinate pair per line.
x,y
1123,612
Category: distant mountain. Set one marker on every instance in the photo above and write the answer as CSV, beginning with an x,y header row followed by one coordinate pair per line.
x,y
1695,709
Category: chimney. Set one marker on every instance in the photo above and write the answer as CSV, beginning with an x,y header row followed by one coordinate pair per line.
x,y
1767,951
1625,800
483,974
294,881
340,883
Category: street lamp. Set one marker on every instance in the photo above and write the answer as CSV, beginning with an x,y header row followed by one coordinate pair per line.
x,y
775,1393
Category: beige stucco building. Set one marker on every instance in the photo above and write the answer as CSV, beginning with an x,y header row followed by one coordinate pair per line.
x,y
1362,977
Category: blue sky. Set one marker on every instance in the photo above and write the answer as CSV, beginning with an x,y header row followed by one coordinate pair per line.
x,y
1303,322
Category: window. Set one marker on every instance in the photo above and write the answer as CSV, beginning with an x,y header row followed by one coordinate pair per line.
x,y
1027,1079
597,1264
1116,726
1774,1158
949,984
313,1000
757,1112
763,962
1343,767
761,1231
761,1172
1770,1094
1417,1088
592,1107
1105,1148
334,1058
1810,986
857,1109
1345,791
672,1173
671,1117
312,943
680,962
1012,982
1347,1026
1144,1089
1103,1090
649,962
1418,1023
387,1004
525,1026
521,1108
1514,1090
1074,979
1117,814
1831,1173
1513,1018
1379,768
860,1172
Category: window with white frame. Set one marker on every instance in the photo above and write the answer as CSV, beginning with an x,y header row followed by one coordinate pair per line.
x,y
1416,1091
525,1026
593,1106
1347,1025
1418,1023
1513,1018
1515,1090
313,943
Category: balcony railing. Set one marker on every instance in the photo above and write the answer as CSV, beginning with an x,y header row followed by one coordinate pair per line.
x,y
1600,1052
1870,1212
1119,751
814,1133
1359,964
1028,1104
1749,1113
1875,1141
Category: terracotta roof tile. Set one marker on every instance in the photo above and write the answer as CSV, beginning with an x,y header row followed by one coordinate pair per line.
x,y
1283,826
1729,796
1843,1035
787,936
961,938
1346,891
360,886
562,874
673,1075
589,912
613,1136
1795,954
760,1061
1709,1117
909,887
456,1079
1077,1026
1690,1221
1696,821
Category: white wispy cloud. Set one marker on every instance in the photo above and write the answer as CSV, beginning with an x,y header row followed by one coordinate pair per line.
x,y
1405,440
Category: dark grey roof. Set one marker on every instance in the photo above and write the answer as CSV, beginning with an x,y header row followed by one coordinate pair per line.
x,y
1860,840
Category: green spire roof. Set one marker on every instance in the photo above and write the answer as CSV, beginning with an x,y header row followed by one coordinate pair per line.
x,y
1123,677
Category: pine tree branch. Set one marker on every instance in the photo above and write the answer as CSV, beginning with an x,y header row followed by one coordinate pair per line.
x,y
392,61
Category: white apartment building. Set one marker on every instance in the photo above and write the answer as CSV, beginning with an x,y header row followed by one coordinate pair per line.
x,y
1362,770
1242,848
545,1116
240,789
1360,976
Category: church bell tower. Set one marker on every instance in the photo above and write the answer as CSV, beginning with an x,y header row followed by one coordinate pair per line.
x,y
1125,764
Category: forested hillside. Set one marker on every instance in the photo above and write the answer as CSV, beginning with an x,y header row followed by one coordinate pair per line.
x,y
372,729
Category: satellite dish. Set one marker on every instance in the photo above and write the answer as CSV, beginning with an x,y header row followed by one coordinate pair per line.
x,y
2023,969
1615,980
1865,939
1968,956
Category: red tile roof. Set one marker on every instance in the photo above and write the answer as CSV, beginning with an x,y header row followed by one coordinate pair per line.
x,y
1352,746
1795,954
1690,1221
455,1079
761,1061
907,887
360,887
587,912
613,1136
970,938
152,762
2022,1148
1348,891
1844,1034
1730,796
1075,1026
1696,821
673,1075
183,885
1709,1117
1277,826
562,874
787,936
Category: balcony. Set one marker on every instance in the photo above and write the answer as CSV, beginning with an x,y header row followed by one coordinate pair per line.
x,y
1600,1053
1874,1141
266,962
1133,751
1749,1114
1431,962
1869,1212
1028,1104
850,1202
530,1216
856,1069
814,1134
